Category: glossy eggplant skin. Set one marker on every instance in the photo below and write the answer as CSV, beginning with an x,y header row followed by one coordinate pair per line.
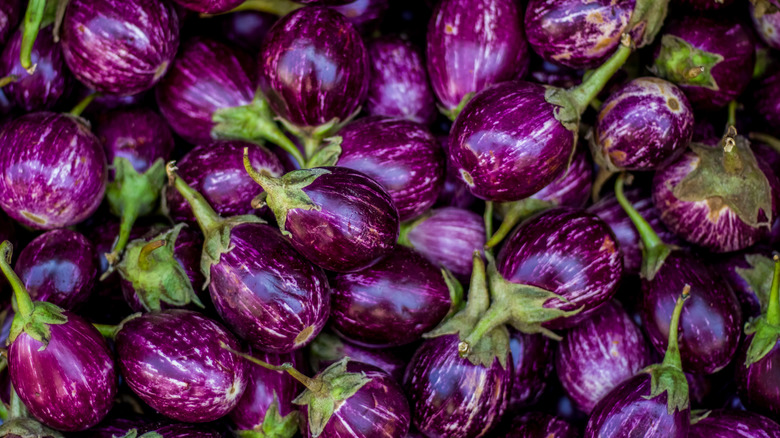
x,y
532,358
267,293
573,189
576,33
472,45
76,358
139,135
569,252
120,46
758,385
43,155
600,353
174,362
244,29
328,349
540,425
209,6
451,397
216,170
391,303
626,412
711,321
314,67
10,12
59,267
725,423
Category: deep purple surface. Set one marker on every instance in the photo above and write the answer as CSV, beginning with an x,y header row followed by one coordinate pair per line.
x,y
625,412
139,135
577,33
365,15
403,156
168,429
314,67
216,171
711,320
391,303
174,362
532,356
209,6
245,29
759,384
451,397
44,88
324,2
10,13
455,192
767,27
115,426
600,353
729,266
472,44
59,267
120,46
644,125
549,73
572,189
722,423
205,77
540,425
389,360
52,170
69,385
267,293
355,227
507,145
766,101
566,251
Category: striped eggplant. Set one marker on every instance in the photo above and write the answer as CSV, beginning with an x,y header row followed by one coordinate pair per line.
x,y
532,358
727,423
328,349
540,425
767,25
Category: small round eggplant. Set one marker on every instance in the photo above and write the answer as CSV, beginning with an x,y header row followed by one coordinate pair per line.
x,y
120,46
364,15
338,218
59,267
399,84
540,425
402,156
725,423
10,12
52,170
710,60
532,357
600,353
328,349
767,26
209,6
174,361
391,303
245,29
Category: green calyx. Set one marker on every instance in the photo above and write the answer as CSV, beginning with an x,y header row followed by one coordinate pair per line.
x,y
453,113
456,293
27,428
132,195
133,433
326,348
514,213
648,18
678,61
759,276
313,136
274,424
668,375
275,7
327,155
765,328
156,276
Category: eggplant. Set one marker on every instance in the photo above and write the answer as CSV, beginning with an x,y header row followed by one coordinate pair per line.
x,y
51,349
59,267
540,425
168,429
209,6
27,427
364,15
244,29
766,101
119,46
174,361
550,73
532,358
726,423
472,44
653,403
10,12
749,273
43,154
328,349
767,25
261,287
338,218
599,354
392,302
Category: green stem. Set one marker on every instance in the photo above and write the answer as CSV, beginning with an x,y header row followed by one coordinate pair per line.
x,y
16,408
267,182
207,218
767,139
272,133
129,216
83,104
7,80
313,385
310,146
672,357
275,7
108,331
773,308
517,212
31,25
146,251
24,303
583,94
494,317
62,5
488,219
731,120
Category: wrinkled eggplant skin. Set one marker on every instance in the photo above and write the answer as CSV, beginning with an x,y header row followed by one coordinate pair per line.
x,y
496,133
205,77
711,321
598,354
216,170
137,134
103,49
724,423
245,29
569,252
44,88
450,396
348,233
43,154
626,412
574,187
10,13
76,358
403,156
365,15
767,27
174,362
758,385
576,33
314,67
399,84
644,125
363,414
540,425
472,45
532,358
59,267
267,293
209,6
389,360
391,303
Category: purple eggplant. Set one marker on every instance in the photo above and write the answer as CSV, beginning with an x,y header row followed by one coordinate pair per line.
x,y
52,170
399,83
710,60
540,425
261,287
328,349
59,267
600,353
653,403
455,192
532,356
120,47
174,361
7,232
209,6
749,273
338,218
245,29
725,423
51,349
403,156
392,302
767,25
364,15
549,73
473,44
10,12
